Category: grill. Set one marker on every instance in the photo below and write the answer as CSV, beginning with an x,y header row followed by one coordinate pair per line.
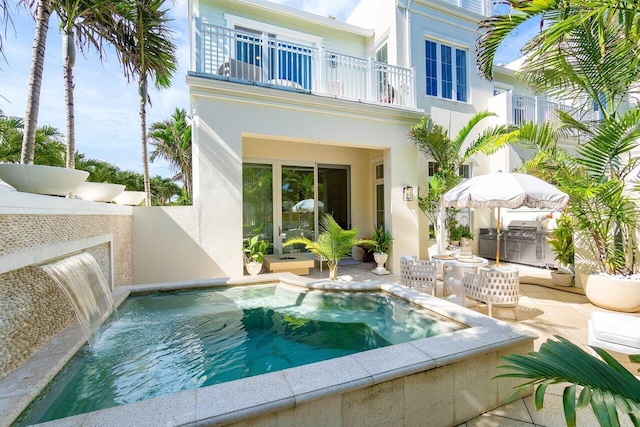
x,y
523,242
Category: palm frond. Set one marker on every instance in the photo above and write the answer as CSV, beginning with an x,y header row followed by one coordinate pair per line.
x,y
609,387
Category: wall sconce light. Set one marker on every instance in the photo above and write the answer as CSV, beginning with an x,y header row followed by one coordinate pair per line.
x,y
407,193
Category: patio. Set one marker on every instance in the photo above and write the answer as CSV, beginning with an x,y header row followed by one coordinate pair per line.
x,y
545,310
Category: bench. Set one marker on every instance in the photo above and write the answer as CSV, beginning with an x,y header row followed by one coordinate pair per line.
x,y
615,332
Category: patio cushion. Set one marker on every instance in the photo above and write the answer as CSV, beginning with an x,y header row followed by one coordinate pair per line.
x,y
617,328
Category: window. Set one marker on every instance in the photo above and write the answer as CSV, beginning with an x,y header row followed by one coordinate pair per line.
x,y
446,71
433,168
464,171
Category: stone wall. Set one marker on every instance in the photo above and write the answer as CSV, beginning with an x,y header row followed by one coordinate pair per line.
x,y
33,309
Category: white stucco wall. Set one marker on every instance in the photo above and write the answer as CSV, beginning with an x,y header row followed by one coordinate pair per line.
x,y
226,113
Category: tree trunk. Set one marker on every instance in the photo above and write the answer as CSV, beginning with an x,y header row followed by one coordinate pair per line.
x,y
35,82
142,93
68,59
333,271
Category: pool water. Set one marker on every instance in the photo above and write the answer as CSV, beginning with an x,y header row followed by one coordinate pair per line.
x,y
174,341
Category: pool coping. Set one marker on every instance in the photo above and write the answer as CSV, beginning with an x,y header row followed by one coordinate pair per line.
x,y
267,393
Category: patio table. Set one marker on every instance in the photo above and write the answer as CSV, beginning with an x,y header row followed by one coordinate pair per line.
x,y
454,265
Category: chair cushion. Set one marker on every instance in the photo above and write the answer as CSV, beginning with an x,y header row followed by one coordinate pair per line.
x,y
616,328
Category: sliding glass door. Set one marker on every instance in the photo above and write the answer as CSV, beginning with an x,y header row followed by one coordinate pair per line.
x,y
281,200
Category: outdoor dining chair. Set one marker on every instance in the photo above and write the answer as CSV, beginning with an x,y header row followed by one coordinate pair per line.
x,y
418,273
493,286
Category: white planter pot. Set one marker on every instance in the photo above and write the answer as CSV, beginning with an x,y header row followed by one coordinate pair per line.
x,y
613,293
561,278
131,198
39,179
380,259
98,191
253,267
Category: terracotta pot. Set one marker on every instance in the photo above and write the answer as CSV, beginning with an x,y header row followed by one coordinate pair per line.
x,y
613,293
253,267
39,179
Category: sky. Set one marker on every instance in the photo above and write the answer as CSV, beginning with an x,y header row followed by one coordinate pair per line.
x,y
106,105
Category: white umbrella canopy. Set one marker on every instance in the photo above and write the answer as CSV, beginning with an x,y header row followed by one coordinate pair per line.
x,y
505,190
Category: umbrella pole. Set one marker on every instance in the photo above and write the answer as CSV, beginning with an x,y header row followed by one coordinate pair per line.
x,y
498,241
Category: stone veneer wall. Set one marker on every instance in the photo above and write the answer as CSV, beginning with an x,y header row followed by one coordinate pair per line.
x,y
33,309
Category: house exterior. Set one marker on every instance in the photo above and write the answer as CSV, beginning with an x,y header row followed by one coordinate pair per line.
x,y
296,114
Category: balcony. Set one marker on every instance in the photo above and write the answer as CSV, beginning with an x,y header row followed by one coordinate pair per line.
x,y
265,60
539,109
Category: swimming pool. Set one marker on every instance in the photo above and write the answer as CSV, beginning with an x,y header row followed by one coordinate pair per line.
x,y
171,342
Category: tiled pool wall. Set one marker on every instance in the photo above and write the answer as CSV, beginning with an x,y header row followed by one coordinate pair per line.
x,y
32,307
442,380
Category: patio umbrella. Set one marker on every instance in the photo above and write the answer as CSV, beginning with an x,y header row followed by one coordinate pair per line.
x,y
508,190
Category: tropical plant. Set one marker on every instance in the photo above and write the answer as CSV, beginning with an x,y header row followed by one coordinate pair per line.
x,y
333,243
255,248
465,232
605,212
586,50
145,49
606,385
48,143
455,234
382,240
99,171
164,191
171,140
433,140
561,241
82,22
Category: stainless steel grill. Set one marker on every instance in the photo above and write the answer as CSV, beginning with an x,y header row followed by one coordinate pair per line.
x,y
523,242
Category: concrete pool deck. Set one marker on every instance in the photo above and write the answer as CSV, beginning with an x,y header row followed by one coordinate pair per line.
x,y
545,310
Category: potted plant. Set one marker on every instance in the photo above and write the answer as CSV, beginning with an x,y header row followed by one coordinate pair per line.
x,y
465,235
333,243
455,234
382,242
561,242
254,248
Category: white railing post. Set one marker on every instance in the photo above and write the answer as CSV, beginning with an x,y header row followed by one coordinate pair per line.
x,y
321,70
412,89
264,56
510,115
372,80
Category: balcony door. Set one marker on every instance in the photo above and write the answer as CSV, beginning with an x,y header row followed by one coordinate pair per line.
x,y
285,199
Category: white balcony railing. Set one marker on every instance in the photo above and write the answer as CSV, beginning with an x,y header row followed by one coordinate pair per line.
x,y
538,110
264,59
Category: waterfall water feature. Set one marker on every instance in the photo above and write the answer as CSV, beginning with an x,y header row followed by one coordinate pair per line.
x,y
81,279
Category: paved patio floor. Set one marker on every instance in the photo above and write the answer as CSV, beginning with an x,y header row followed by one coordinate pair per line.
x,y
547,311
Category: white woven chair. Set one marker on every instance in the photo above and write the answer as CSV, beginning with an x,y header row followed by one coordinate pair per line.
x,y
418,273
493,286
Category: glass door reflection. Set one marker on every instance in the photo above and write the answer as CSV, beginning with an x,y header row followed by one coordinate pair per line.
x,y
298,205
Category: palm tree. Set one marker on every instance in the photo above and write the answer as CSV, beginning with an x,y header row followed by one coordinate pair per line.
x,y
163,190
434,141
43,12
81,22
99,171
333,243
171,140
588,51
143,44
48,143
606,385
